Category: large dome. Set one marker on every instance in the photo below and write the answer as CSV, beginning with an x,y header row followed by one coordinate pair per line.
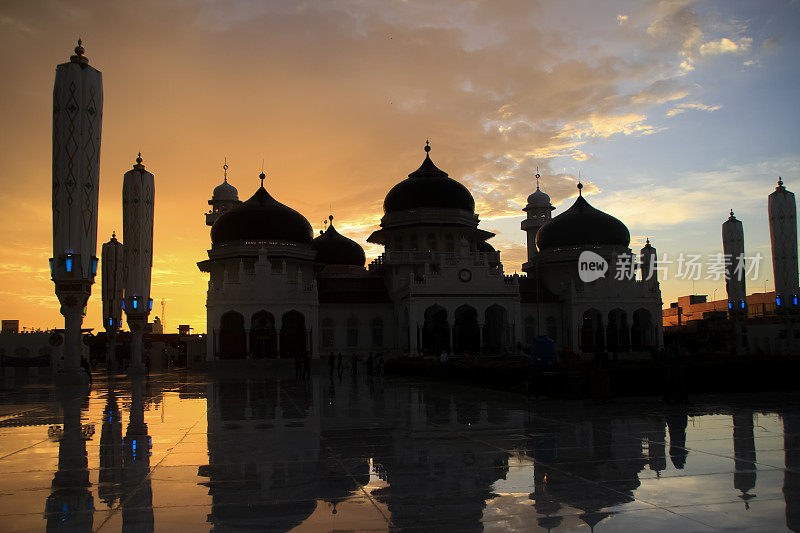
x,y
262,218
428,187
582,225
333,248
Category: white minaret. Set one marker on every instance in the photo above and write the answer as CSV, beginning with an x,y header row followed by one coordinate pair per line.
x,y
138,195
539,210
648,257
224,198
733,248
783,234
112,266
77,118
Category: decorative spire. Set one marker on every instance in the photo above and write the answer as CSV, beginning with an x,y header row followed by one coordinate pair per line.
x,y
79,57
537,178
780,184
731,213
225,169
262,177
138,165
647,242
580,186
113,235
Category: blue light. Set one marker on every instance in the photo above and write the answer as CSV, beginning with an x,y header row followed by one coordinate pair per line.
x,y
150,305
730,305
135,303
69,262
778,300
794,300
123,305
94,266
743,305
110,321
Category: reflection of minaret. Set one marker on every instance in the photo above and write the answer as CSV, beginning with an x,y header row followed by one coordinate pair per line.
x,y
676,423
791,474
783,234
110,450
656,449
137,500
112,281
744,451
70,504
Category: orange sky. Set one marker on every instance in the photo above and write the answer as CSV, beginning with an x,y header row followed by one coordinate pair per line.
x,y
337,98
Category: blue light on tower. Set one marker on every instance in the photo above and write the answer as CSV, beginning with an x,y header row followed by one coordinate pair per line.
x,y
135,303
742,304
778,300
730,305
794,300
94,266
150,305
68,261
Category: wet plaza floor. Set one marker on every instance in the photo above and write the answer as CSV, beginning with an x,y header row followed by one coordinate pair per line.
x,y
256,449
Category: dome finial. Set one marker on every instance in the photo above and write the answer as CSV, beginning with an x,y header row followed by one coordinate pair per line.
x,y
537,178
580,185
225,169
79,57
262,177
427,145
330,217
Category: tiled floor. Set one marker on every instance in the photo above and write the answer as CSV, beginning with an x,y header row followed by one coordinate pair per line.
x,y
256,449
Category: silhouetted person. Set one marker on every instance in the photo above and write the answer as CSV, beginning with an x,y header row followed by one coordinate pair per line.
x,y
331,362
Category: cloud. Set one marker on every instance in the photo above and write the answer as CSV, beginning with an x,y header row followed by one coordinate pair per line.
x,y
725,46
682,108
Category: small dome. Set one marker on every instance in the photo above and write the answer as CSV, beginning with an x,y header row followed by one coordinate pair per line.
x,y
582,225
539,199
225,191
261,218
485,247
333,248
428,187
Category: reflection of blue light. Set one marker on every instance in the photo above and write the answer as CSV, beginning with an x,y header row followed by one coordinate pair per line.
x,y
94,266
69,262
730,305
150,305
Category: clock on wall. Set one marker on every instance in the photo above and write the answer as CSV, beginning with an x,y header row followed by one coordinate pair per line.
x,y
464,275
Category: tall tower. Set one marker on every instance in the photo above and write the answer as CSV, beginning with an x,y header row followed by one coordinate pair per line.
x,y
783,234
224,198
539,210
138,195
733,247
112,265
77,118
648,256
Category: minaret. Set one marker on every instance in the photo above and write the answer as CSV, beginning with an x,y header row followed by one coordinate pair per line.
x,y
77,118
648,258
733,247
539,210
138,194
783,234
224,198
112,281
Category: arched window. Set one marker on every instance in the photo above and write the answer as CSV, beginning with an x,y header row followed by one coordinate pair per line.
x,y
432,245
377,332
352,332
449,243
327,332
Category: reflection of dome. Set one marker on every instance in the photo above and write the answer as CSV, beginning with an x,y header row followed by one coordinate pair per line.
x,y
428,187
333,248
262,218
582,224
225,191
539,199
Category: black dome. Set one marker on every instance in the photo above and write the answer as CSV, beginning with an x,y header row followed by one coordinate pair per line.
x,y
485,247
333,248
582,225
262,218
428,187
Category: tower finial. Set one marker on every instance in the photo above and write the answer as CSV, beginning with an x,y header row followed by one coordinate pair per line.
x,y
580,185
225,168
427,145
537,178
647,242
138,165
113,235
79,57
780,182
262,177
731,212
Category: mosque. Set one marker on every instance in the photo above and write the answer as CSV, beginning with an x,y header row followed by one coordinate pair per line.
x,y
276,290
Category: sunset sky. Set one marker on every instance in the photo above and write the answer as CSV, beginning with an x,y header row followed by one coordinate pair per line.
x,y
674,112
